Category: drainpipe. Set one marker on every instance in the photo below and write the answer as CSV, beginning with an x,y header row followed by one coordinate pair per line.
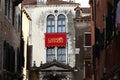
x,y
1,51
104,69
94,58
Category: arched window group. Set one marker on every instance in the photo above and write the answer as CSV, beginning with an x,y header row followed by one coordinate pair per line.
x,y
56,25
60,27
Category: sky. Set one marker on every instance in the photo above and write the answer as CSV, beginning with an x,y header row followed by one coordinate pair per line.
x,y
84,3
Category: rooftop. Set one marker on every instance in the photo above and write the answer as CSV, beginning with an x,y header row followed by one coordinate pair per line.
x,y
85,10
49,2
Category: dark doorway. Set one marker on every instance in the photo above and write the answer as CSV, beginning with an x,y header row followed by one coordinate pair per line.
x,y
53,77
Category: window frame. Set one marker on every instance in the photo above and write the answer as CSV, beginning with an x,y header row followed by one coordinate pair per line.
x,y
8,9
19,23
62,20
61,57
0,4
50,54
50,26
85,39
87,68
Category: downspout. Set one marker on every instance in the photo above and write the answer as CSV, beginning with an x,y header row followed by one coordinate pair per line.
x,y
105,58
94,57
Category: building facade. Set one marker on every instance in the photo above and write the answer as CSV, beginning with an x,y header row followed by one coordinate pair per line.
x,y
26,21
105,39
83,43
53,36
10,35
61,40
56,21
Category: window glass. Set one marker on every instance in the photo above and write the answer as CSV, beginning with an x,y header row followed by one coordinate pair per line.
x,y
63,51
48,23
63,22
87,41
48,29
63,29
59,29
59,58
59,22
53,29
53,22
50,54
63,58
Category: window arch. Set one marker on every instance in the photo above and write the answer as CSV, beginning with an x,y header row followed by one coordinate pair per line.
x,y
61,23
50,24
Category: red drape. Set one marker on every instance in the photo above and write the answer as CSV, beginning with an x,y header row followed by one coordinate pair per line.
x,y
55,39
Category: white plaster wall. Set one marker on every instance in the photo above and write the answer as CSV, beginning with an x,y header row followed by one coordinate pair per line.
x,y
38,14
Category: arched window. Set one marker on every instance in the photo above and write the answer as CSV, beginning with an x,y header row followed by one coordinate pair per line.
x,y
77,13
50,24
61,23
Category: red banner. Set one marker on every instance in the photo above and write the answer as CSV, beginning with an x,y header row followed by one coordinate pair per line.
x,y
55,39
